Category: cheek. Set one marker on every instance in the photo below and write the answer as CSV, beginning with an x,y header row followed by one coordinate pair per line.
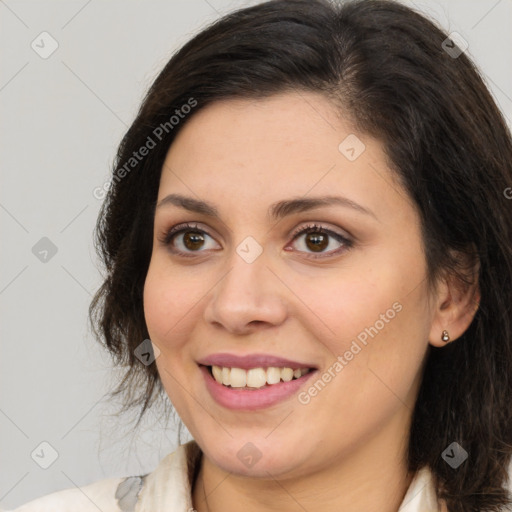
x,y
378,321
168,311
344,308
169,301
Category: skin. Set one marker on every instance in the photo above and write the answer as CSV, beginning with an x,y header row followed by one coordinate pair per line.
x,y
345,449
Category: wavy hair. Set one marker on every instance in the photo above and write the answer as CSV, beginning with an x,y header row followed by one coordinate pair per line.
x,y
388,70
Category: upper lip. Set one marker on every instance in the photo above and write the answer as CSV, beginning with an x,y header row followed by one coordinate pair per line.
x,y
251,361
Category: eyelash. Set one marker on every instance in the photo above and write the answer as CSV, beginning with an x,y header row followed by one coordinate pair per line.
x,y
311,228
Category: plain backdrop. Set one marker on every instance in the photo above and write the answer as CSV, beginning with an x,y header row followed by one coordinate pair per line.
x,y
62,117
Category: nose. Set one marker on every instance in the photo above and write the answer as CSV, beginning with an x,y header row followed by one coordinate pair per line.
x,y
248,297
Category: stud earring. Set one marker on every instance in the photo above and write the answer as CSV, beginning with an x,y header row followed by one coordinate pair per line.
x,y
445,336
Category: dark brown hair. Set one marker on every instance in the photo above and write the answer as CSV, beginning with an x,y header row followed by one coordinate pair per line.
x,y
385,67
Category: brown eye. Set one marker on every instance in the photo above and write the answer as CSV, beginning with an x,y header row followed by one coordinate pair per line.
x,y
317,239
193,239
187,239
317,242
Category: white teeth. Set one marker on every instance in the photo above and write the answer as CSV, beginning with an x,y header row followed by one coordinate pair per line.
x,y
287,374
217,373
273,375
238,378
255,377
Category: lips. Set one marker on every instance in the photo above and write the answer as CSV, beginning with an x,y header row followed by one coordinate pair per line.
x,y
253,381
244,399
249,361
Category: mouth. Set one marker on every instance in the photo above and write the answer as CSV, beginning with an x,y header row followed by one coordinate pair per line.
x,y
255,381
255,378
253,389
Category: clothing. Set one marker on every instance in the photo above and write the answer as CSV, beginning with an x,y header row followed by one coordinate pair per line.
x,y
168,488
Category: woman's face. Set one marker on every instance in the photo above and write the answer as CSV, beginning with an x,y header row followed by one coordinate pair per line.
x,y
241,284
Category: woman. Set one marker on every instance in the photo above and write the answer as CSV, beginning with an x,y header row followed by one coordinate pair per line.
x,y
309,220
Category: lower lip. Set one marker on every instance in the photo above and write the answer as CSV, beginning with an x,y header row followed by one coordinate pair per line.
x,y
252,399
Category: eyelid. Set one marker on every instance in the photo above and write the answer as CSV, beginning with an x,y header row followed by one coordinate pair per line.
x,y
302,229
184,226
346,240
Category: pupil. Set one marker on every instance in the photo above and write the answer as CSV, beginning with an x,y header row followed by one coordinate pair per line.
x,y
319,241
195,239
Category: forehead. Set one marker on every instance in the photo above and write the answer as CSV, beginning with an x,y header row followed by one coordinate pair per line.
x,y
285,126
256,152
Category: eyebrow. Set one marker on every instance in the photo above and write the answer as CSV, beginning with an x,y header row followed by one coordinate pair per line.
x,y
276,210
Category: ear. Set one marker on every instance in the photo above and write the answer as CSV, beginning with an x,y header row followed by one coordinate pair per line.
x,y
456,302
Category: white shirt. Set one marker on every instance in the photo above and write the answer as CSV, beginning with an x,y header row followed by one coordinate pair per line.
x,y
168,488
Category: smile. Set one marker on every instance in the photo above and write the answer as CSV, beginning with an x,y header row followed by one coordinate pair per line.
x,y
255,378
255,393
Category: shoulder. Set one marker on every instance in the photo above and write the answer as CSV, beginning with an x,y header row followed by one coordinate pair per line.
x,y
108,495
81,499
169,482
422,495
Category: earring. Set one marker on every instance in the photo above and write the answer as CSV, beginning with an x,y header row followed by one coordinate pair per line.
x,y
445,336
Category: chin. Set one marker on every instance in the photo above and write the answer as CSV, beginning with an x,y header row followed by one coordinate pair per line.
x,y
256,458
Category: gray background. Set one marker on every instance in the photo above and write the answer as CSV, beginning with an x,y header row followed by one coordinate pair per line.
x,y
61,120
